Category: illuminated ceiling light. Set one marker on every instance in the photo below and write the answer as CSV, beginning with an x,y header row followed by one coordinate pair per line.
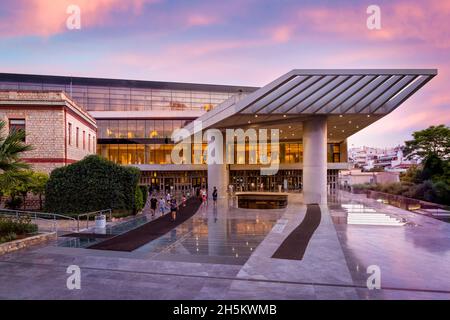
x,y
284,116
290,127
285,137
249,122
340,116
281,131
293,134
335,127
331,134
357,127
349,121
368,116
256,116
343,130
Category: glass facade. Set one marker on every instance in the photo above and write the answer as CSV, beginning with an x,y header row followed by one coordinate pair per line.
x,y
161,153
139,128
112,98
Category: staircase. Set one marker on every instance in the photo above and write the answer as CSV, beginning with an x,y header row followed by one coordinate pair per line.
x,y
362,215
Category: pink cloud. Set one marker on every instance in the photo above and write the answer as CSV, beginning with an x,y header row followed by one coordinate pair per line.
x,y
282,33
48,17
422,21
201,20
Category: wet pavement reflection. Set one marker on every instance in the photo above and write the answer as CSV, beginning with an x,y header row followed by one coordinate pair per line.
x,y
221,231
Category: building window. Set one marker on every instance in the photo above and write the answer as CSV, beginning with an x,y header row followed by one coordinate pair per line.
x,y
84,140
89,142
77,138
70,133
17,124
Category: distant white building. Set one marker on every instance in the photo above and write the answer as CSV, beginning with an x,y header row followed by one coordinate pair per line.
x,y
388,159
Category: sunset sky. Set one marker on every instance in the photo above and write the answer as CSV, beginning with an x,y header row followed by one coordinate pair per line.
x,y
242,42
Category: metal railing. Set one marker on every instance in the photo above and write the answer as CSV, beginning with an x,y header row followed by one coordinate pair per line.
x,y
39,216
107,212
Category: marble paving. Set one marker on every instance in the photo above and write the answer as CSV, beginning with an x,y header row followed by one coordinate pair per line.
x,y
225,253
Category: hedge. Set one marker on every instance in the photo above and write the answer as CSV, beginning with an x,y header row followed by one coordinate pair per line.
x,y
91,184
144,190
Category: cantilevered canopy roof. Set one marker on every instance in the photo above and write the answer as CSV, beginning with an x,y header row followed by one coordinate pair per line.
x,y
351,98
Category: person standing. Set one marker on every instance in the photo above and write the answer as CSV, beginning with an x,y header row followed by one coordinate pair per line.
x,y
214,195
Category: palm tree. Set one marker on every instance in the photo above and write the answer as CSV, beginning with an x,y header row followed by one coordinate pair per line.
x,y
12,145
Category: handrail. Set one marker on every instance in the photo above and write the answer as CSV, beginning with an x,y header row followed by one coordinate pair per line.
x,y
88,214
37,216
36,213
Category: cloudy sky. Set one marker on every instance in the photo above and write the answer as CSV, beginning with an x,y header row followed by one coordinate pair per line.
x,y
244,42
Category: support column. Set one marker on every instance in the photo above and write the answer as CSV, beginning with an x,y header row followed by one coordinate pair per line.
x,y
315,160
218,170
217,177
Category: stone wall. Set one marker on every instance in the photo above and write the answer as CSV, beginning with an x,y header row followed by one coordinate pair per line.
x,y
44,129
27,242
75,152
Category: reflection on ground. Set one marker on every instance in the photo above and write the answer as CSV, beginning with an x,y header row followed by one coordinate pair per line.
x,y
414,258
221,231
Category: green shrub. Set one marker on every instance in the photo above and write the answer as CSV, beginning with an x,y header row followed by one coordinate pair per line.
x,y
19,226
139,200
14,203
8,237
91,184
144,190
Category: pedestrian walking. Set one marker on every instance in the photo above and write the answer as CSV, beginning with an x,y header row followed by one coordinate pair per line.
x,y
183,200
162,206
173,209
153,203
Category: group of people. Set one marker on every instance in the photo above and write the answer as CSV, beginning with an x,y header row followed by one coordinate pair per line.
x,y
168,201
202,194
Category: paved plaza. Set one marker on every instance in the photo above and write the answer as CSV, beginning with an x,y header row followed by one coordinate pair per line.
x,y
225,253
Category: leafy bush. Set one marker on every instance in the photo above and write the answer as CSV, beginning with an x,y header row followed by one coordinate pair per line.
x,y
363,186
91,184
8,237
144,190
16,226
14,203
139,200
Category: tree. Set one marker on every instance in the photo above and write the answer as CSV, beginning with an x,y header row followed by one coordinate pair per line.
x,y
12,146
434,140
38,184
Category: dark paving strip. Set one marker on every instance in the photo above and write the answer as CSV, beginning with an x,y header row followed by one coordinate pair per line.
x,y
149,273
152,230
294,246
87,235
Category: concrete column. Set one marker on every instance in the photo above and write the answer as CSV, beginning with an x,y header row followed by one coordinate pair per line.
x,y
315,160
217,172
217,177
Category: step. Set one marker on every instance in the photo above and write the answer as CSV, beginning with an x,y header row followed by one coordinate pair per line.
x,y
378,224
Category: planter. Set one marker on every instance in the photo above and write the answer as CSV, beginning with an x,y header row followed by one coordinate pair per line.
x,y
100,221
15,245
